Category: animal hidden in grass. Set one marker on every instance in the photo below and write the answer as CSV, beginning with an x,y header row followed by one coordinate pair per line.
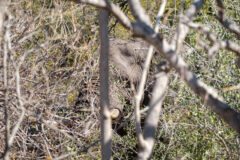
x,y
126,64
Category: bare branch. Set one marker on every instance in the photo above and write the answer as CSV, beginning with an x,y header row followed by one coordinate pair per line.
x,y
115,10
152,118
12,135
140,90
106,121
182,29
209,96
139,13
21,106
4,50
220,16
52,79
193,9
217,44
230,46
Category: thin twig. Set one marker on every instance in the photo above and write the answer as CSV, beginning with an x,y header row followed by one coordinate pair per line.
x,y
216,44
4,47
140,90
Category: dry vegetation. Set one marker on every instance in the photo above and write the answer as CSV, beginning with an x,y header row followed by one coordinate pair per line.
x,y
53,47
